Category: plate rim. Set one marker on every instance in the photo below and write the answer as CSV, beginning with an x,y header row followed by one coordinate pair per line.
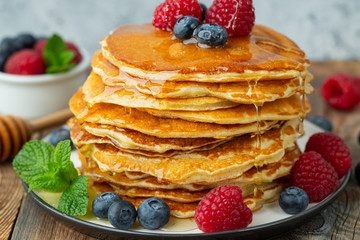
x,y
274,226
300,217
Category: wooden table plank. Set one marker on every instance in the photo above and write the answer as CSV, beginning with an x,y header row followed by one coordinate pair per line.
x,y
11,194
34,223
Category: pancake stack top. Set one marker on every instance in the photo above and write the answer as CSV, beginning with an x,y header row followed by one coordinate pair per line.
x,y
159,117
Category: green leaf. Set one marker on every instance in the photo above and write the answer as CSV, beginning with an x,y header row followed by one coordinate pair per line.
x,y
33,160
62,160
66,56
51,182
56,56
75,199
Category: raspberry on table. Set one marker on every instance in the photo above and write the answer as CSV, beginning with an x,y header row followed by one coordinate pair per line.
x,y
236,16
333,149
341,91
168,12
25,62
223,209
315,176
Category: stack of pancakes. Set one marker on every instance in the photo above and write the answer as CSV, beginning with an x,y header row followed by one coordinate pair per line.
x,y
158,117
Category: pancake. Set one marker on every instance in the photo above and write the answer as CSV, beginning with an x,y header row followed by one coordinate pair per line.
x,y
132,118
158,117
148,53
240,92
267,174
227,161
187,210
96,92
281,109
126,138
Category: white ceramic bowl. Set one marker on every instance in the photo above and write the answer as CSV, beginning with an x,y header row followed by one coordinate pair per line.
x,y
33,96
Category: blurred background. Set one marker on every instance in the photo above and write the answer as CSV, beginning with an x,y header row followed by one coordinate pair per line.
x,y
324,29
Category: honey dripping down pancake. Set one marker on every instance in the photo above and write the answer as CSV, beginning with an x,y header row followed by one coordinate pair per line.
x,y
158,117
228,160
144,52
245,92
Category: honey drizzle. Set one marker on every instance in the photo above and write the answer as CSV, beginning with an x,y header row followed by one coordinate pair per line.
x,y
258,186
302,115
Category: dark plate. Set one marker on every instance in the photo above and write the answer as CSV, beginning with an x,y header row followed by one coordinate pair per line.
x,y
261,231
257,232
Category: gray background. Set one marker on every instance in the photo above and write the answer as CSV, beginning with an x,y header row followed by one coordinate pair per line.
x,y
325,29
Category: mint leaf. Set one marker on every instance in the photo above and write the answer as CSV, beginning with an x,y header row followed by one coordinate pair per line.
x,y
75,199
56,56
44,167
62,160
33,160
51,182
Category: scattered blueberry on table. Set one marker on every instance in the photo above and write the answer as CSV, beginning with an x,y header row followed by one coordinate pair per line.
x,y
357,173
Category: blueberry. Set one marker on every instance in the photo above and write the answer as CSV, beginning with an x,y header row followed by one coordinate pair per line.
x,y
322,122
122,214
59,134
8,46
102,203
25,40
153,213
293,200
3,59
211,34
185,26
357,172
204,9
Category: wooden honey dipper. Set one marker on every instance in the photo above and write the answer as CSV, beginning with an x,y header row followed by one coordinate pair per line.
x,y
16,131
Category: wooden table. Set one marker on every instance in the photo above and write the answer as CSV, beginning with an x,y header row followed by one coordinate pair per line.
x,y
21,218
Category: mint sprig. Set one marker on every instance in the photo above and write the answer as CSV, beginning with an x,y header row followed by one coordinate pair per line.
x,y
56,56
44,167
74,200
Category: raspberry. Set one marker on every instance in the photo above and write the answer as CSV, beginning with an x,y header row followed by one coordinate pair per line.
x,y
168,12
315,176
223,209
341,91
72,47
25,62
40,45
236,16
333,149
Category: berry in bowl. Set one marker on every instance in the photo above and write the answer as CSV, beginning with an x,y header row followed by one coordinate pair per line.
x,y
38,76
